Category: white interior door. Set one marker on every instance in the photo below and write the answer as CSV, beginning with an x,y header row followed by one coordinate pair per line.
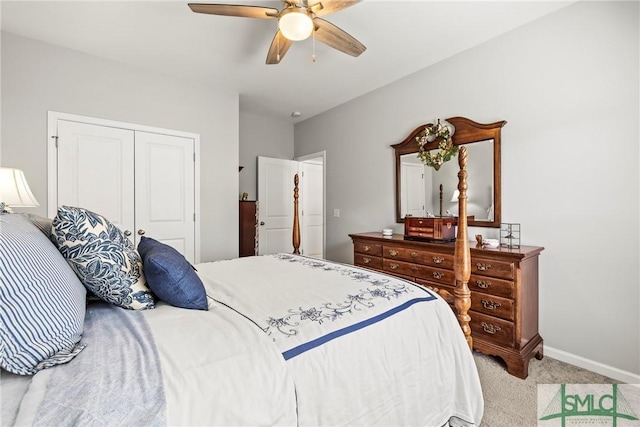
x,y
140,178
164,188
95,167
275,202
312,207
413,192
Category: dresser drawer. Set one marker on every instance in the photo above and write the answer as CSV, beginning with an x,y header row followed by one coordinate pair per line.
x,y
438,275
362,260
491,328
492,305
493,268
368,248
490,285
403,268
418,256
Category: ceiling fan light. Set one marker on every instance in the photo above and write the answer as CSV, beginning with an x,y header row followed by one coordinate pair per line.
x,y
295,24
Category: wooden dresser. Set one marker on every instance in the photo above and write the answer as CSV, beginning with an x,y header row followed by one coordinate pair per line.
x,y
248,228
504,289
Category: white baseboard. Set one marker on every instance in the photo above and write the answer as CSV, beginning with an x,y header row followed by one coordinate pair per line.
x,y
600,368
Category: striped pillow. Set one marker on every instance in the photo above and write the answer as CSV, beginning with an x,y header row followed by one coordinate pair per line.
x,y
43,302
43,223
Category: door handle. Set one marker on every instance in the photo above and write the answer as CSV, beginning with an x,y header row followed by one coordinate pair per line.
x,y
261,222
141,232
127,233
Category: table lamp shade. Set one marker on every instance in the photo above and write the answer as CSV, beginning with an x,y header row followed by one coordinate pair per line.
x,y
14,190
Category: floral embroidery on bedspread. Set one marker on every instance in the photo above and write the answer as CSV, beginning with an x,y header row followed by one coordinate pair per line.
x,y
378,289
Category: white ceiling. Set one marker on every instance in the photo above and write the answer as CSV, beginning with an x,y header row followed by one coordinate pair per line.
x,y
402,37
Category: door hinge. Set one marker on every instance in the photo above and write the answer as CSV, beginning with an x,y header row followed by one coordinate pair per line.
x,y
194,157
55,138
194,217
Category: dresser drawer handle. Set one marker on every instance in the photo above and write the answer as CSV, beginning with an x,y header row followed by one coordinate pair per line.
x,y
482,266
393,266
366,260
366,248
414,268
437,275
490,305
490,328
393,252
438,259
482,284
414,254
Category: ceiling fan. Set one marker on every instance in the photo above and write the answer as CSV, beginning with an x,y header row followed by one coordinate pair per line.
x,y
296,21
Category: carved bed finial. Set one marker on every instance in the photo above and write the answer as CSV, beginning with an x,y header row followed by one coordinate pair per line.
x,y
462,253
296,221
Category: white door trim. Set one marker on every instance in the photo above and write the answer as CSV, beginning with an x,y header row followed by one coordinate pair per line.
x,y
52,166
304,158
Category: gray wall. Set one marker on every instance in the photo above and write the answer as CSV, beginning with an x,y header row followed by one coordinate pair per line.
x,y
37,77
261,136
568,86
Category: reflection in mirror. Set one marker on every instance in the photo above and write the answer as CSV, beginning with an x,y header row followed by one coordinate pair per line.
x,y
420,185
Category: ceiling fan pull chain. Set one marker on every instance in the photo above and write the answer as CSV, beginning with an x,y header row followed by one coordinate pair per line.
x,y
278,49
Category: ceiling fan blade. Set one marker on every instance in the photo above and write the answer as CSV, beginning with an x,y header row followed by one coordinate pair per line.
x,y
338,39
326,7
279,47
235,10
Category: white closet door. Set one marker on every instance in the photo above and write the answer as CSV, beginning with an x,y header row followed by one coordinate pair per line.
x,y
164,187
95,167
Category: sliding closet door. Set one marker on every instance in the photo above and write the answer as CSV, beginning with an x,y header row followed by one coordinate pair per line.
x,y
96,170
164,188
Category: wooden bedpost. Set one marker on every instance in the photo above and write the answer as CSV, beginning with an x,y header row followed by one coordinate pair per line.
x,y
296,220
462,253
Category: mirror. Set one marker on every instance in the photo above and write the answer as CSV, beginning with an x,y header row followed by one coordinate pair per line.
x,y
418,187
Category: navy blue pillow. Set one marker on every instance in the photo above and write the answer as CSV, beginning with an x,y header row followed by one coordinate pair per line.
x,y
170,276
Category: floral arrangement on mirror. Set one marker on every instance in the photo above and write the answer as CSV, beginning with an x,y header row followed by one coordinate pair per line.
x,y
446,149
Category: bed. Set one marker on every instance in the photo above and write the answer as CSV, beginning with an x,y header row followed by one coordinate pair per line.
x,y
268,340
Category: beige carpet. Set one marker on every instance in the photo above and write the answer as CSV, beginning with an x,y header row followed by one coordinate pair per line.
x,y
512,402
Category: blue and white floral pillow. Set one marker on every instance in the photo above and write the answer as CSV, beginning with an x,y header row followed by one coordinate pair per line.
x,y
103,258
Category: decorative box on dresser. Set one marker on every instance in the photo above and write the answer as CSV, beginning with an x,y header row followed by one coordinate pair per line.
x,y
248,232
503,284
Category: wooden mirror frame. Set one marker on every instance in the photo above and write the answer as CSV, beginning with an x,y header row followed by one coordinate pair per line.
x,y
466,132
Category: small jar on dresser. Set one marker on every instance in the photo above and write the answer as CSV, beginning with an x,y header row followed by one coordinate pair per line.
x,y
503,284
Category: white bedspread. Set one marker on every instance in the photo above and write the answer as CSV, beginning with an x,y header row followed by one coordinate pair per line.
x,y
218,369
295,341
376,350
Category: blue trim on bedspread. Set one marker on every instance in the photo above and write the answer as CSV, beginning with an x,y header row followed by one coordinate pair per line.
x,y
381,290
340,332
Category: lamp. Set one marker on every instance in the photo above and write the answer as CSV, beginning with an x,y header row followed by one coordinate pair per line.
x,y
454,197
295,23
446,149
14,190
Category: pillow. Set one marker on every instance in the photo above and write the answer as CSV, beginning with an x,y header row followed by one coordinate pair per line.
x,y
103,258
43,302
43,223
170,276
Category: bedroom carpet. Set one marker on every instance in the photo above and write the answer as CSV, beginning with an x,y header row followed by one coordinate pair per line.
x,y
512,402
